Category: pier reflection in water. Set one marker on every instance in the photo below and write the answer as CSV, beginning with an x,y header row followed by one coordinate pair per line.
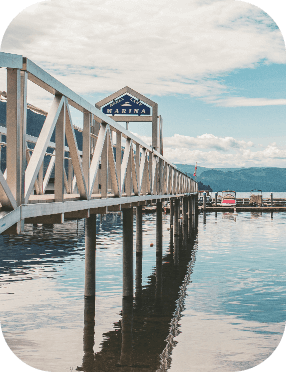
x,y
226,313
144,336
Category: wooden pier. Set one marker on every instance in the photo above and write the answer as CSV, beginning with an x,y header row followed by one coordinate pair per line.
x,y
115,170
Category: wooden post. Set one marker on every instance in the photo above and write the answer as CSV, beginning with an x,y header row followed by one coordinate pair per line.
x,y
189,214
215,195
90,252
127,252
185,210
139,229
155,127
271,198
87,124
159,228
60,150
23,132
171,220
13,140
176,216
204,200
103,171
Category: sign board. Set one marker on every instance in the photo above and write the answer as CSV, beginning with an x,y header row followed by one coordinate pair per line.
x,y
126,105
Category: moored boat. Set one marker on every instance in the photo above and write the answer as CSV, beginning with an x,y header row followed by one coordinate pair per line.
x,y
228,198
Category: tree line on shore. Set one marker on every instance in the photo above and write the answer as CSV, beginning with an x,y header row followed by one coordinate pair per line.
x,y
267,179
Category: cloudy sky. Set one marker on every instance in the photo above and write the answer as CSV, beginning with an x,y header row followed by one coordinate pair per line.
x,y
217,69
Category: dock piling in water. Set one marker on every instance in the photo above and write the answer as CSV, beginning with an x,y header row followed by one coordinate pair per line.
x,y
176,216
127,252
90,252
159,228
139,229
204,200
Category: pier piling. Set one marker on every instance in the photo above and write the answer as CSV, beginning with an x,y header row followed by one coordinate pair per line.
x,y
171,221
176,216
204,200
127,252
159,228
139,229
90,252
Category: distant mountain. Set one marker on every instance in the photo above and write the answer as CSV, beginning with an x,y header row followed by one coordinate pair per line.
x,y
240,179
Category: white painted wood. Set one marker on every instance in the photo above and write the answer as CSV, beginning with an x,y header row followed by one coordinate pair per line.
x,y
141,170
69,176
112,166
9,219
66,182
36,185
128,176
118,159
104,169
86,146
13,124
59,161
154,174
41,146
134,173
149,178
11,60
137,162
6,194
125,161
74,154
155,127
124,119
146,174
49,171
96,155
23,133
40,178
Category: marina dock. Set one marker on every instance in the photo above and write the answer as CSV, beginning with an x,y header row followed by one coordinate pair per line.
x,y
243,209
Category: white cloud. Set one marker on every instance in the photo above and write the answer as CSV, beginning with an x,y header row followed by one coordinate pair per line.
x,y
205,141
270,156
243,101
212,151
155,47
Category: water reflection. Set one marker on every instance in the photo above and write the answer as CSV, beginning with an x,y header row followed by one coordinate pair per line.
x,y
88,362
144,336
236,294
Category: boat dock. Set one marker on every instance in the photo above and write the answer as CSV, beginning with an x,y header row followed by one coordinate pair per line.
x,y
244,204
243,209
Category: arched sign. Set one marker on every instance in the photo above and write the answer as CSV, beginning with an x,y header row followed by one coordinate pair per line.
x,y
126,105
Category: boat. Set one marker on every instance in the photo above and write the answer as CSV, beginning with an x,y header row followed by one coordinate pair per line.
x,y
255,198
208,197
228,198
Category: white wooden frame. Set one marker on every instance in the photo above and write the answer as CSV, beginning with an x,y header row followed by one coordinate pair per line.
x,y
96,179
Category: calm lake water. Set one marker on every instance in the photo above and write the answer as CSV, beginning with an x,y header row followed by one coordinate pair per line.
x,y
215,302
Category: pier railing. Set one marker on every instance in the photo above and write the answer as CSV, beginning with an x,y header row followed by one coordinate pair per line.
x,y
114,169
